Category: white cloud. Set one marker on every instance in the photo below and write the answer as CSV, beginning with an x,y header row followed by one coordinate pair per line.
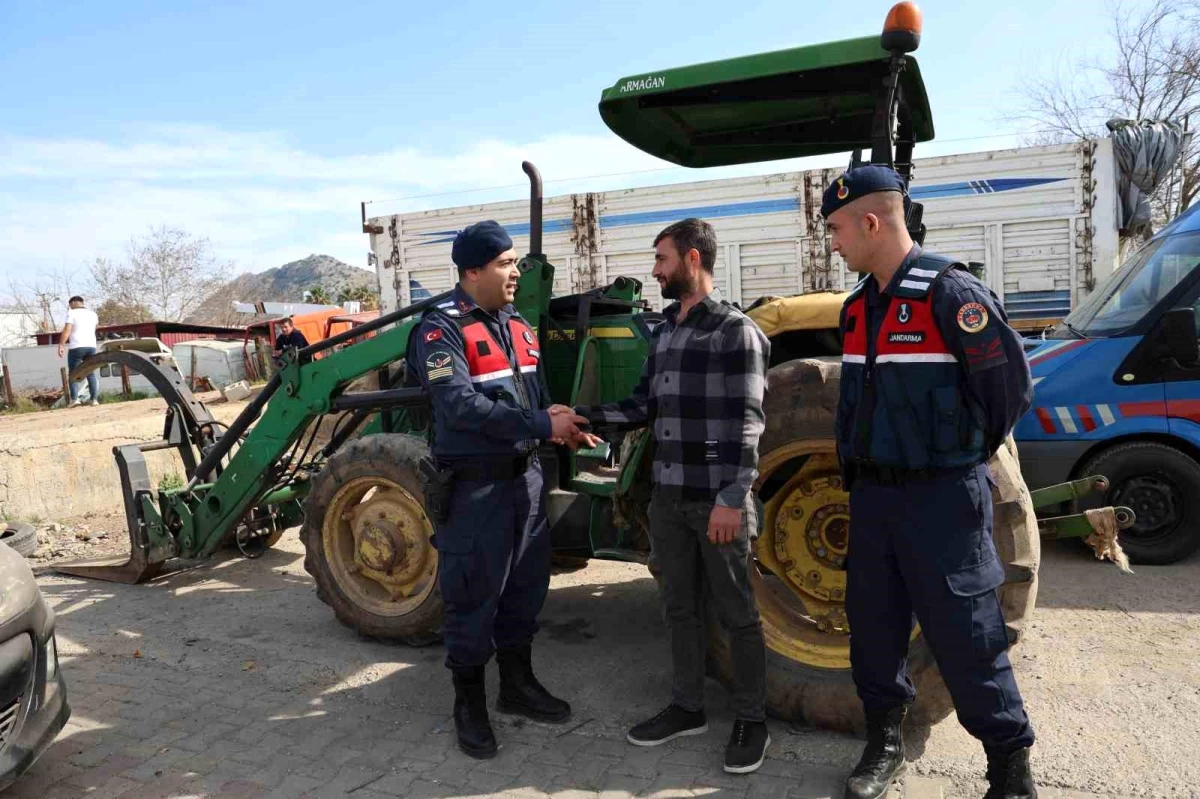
x,y
66,201
263,201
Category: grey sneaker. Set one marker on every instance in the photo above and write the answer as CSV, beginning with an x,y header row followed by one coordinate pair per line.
x,y
672,723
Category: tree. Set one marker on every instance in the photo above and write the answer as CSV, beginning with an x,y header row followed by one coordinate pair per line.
x,y
1152,73
43,299
168,271
319,296
369,299
113,312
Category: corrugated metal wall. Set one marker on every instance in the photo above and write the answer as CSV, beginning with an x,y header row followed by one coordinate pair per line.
x,y
1024,213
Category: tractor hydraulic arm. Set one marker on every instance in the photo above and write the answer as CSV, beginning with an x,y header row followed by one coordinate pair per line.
x,y
200,515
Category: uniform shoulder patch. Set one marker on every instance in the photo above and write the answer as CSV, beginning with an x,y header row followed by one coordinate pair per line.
x,y
972,317
433,335
439,365
984,350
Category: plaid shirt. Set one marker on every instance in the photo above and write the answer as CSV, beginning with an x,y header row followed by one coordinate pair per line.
x,y
701,390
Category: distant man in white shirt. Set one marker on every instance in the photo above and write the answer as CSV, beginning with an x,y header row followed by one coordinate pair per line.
x,y
78,340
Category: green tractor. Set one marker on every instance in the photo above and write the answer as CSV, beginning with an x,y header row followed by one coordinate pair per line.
x,y
336,440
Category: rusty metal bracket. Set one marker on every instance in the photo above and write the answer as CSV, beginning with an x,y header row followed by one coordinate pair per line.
x,y
1076,525
1068,492
365,227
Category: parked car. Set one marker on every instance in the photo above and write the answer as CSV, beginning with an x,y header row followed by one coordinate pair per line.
x,y
33,693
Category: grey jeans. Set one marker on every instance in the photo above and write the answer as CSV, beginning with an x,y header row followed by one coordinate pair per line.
x,y
694,571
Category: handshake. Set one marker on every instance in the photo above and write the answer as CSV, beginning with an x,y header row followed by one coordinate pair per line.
x,y
565,429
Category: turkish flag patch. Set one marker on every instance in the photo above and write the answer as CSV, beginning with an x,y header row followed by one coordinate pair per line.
x,y
433,335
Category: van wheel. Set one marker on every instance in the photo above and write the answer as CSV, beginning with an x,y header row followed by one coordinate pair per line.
x,y
1162,486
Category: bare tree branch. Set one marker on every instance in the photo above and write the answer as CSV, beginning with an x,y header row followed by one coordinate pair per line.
x,y
168,271
43,299
1151,73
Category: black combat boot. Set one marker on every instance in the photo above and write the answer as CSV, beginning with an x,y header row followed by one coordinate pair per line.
x,y
1008,774
520,691
883,758
475,736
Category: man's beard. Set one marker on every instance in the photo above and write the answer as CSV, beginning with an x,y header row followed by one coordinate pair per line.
x,y
676,287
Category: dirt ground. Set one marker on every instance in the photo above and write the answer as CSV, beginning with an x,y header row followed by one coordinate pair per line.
x,y
124,412
1109,672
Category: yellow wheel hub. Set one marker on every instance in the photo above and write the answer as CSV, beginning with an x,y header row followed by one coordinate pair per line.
x,y
811,529
801,588
376,539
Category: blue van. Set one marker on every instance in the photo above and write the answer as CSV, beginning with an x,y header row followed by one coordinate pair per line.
x,y
1117,393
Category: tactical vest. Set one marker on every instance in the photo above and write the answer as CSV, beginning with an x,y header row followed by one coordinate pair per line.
x,y
492,375
489,367
902,402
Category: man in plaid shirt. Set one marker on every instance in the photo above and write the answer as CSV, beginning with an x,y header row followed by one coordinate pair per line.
x,y
701,392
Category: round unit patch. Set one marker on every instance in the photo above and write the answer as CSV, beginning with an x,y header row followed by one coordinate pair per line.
x,y
972,317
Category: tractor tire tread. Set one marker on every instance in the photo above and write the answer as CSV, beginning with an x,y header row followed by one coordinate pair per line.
x,y
393,454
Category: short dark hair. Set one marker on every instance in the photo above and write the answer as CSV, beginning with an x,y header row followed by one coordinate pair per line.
x,y
288,320
76,298
693,234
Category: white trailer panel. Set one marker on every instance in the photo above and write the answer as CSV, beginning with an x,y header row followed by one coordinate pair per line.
x,y
1041,220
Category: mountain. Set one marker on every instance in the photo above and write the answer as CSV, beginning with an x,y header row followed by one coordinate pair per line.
x,y
285,283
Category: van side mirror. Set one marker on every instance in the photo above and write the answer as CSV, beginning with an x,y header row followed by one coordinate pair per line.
x,y
1177,330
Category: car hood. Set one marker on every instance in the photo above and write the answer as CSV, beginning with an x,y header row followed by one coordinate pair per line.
x,y
18,588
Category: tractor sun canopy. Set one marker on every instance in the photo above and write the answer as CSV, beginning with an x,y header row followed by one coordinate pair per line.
x,y
804,101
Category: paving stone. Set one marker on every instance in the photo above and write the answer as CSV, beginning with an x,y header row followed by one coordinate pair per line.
x,y
396,783
640,762
293,787
924,788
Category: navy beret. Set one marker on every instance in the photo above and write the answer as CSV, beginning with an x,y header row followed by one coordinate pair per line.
x,y
859,182
477,244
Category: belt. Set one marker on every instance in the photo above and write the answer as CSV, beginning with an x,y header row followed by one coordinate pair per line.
x,y
894,475
489,468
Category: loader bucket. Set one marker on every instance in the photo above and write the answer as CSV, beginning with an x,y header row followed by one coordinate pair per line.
x,y
187,429
139,566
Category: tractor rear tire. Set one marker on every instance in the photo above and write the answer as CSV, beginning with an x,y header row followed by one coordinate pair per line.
x,y
383,469
811,682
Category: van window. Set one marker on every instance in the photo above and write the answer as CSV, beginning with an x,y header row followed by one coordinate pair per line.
x,y
1145,280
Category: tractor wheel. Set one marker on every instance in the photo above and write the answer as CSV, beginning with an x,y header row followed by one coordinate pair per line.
x,y
799,574
367,540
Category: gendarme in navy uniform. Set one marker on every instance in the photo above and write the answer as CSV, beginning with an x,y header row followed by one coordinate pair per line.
x,y
478,361
933,380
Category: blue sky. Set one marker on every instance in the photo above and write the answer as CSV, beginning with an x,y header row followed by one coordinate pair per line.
x,y
263,124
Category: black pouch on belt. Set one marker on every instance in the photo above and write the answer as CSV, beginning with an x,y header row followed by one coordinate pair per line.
x,y
438,485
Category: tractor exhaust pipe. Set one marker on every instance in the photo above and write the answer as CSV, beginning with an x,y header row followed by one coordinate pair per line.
x,y
535,209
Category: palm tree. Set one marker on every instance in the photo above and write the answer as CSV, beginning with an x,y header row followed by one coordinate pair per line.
x,y
369,299
319,296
